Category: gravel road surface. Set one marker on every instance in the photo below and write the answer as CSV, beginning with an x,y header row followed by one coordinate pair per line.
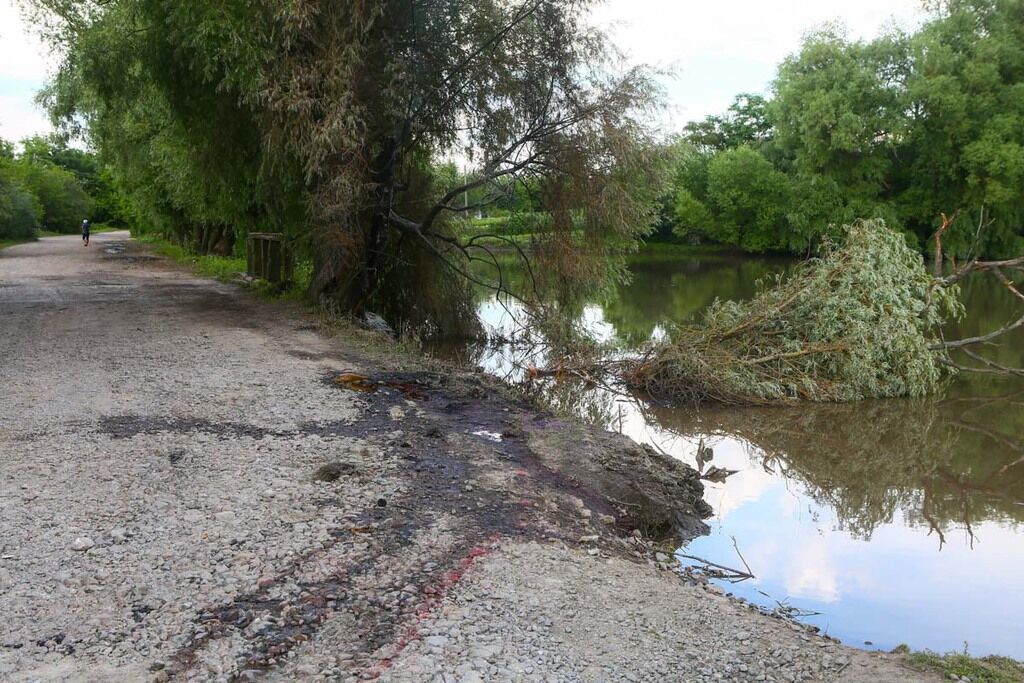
x,y
198,485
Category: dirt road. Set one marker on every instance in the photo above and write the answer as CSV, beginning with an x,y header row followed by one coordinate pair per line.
x,y
191,489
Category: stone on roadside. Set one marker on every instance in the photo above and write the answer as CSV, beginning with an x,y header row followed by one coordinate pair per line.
x,y
81,544
437,641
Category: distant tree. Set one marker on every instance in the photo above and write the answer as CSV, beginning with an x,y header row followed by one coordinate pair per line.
x,y
19,209
61,198
965,148
707,134
838,116
749,199
691,215
97,181
745,123
910,126
687,168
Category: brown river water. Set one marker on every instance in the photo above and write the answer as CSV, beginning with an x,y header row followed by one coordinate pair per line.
x,y
886,522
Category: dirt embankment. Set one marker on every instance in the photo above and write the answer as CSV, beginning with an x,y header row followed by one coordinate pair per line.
x,y
193,490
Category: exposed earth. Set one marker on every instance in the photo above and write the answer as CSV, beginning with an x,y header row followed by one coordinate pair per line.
x,y
200,485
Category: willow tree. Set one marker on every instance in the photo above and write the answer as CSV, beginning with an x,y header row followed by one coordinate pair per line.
x,y
236,109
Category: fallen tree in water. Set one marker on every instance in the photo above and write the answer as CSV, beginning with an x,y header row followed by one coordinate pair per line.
x,y
862,321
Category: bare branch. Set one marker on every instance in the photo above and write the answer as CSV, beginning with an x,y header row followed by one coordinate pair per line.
x,y
981,339
947,223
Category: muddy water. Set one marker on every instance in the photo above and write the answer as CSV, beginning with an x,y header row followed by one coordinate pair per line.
x,y
897,521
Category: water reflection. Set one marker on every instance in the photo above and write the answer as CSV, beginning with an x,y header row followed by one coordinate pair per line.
x,y
941,464
898,520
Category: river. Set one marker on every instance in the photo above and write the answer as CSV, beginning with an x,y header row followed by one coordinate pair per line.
x,y
885,522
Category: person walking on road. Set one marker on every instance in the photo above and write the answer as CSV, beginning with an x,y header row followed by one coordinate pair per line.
x,y
85,232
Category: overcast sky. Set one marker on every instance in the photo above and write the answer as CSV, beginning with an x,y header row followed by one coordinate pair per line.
x,y
716,48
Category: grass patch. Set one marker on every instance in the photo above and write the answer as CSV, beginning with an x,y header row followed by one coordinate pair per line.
x,y
990,669
227,268
224,268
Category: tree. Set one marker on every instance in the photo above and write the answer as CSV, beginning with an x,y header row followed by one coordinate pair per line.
x,y
691,216
839,111
745,123
901,128
910,126
63,202
749,199
339,109
95,179
19,210
966,144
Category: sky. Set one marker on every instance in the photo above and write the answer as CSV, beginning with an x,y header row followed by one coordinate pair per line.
x,y
715,49
23,71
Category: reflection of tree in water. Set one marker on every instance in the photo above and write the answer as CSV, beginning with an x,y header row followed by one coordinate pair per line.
x,y
678,291
939,463
579,399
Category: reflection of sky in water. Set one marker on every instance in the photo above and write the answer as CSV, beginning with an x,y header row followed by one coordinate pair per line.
x,y
897,587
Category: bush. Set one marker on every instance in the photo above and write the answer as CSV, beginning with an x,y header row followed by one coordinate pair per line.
x,y
19,211
691,215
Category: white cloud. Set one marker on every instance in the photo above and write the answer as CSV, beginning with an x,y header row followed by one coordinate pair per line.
x,y
24,65
811,574
717,49
19,118
722,48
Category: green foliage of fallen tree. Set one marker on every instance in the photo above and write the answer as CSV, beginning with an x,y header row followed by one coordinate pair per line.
x,y
856,323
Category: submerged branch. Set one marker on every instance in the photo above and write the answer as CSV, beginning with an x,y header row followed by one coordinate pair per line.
x,y
720,571
981,339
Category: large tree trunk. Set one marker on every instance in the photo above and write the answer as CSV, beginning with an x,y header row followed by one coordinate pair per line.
x,y
342,268
224,245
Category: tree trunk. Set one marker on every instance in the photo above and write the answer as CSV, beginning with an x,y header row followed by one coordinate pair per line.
x,y
197,237
225,245
341,270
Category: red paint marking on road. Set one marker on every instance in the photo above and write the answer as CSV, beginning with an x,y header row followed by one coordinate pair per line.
x,y
435,594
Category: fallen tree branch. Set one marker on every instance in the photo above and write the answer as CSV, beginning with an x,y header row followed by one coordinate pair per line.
x,y
730,574
992,364
981,339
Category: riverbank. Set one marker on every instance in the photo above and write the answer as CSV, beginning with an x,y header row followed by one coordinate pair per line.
x,y
200,484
